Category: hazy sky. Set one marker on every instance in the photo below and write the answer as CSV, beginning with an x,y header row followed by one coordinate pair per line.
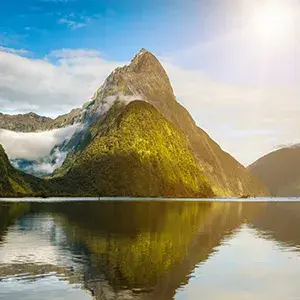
x,y
233,63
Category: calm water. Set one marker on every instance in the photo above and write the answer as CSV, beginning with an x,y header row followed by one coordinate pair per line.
x,y
149,250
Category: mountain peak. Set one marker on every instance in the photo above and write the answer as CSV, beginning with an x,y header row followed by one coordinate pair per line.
x,y
143,79
143,52
145,61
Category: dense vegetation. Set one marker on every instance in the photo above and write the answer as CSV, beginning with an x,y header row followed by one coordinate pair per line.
x,y
142,149
130,151
145,79
133,151
16,183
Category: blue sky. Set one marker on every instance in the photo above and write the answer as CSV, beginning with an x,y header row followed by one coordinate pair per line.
x,y
234,64
116,28
198,34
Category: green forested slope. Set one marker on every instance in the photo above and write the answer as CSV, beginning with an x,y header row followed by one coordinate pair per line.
x,y
14,182
133,151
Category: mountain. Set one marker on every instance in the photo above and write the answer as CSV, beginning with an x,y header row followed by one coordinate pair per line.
x,y
73,117
31,122
24,122
135,139
134,151
14,182
280,171
145,79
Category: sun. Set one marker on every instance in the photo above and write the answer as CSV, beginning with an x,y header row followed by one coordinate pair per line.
x,y
273,19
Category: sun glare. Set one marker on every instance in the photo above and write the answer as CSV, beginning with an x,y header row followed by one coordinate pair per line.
x,y
273,19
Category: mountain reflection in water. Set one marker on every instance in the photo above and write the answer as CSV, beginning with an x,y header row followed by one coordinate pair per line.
x,y
149,250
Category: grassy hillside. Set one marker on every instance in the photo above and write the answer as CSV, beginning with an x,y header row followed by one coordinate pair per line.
x,y
133,151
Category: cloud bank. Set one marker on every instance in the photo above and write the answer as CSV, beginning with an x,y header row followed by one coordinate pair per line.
x,y
63,80
34,145
41,167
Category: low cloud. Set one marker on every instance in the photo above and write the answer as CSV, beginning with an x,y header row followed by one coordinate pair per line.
x,y
34,145
41,167
107,102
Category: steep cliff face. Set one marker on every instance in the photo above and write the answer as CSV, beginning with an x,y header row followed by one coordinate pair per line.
x,y
280,171
145,79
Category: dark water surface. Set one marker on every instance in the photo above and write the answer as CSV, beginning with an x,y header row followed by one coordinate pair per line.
x,y
149,250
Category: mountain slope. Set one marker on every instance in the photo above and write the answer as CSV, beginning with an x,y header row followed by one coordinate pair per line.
x,y
14,182
24,122
145,79
280,171
134,151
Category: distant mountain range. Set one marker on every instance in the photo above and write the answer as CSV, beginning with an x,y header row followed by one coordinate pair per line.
x,y
32,122
280,171
135,139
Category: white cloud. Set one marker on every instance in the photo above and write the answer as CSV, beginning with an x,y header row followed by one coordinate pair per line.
x,y
13,50
72,23
34,145
75,21
47,87
42,167
74,53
